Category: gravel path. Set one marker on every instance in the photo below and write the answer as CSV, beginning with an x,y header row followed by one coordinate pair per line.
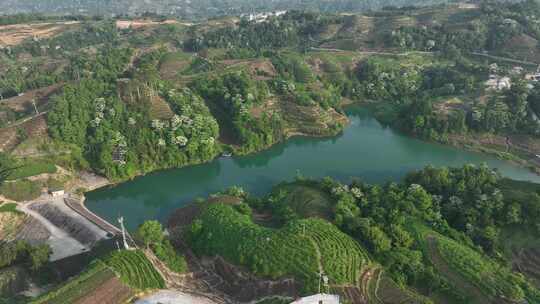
x,y
173,297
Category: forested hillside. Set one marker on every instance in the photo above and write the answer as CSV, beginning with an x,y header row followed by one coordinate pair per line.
x,y
441,235
228,85
195,9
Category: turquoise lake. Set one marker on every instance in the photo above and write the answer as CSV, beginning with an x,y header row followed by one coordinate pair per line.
x,y
365,150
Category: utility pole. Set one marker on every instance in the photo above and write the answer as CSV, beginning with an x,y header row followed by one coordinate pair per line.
x,y
320,278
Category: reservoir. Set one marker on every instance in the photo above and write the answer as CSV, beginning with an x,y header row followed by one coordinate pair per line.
x,y
365,150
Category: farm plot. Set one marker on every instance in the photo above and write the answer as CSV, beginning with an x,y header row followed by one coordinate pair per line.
x,y
135,270
109,281
339,252
299,249
91,284
477,276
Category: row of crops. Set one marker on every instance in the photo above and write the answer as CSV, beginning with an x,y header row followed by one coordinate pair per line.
x,y
490,278
132,267
135,270
79,286
288,251
340,253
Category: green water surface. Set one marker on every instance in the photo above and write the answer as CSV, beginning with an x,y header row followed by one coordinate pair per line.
x,y
366,150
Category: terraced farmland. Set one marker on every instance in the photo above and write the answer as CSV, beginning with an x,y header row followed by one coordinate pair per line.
x,y
478,277
135,270
300,249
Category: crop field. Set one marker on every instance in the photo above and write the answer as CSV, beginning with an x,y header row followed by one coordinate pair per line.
x,y
172,63
31,168
135,270
21,190
108,281
11,221
300,249
33,127
89,284
476,275
160,109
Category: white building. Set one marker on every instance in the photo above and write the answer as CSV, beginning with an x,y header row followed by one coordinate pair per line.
x,y
320,298
57,192
260,17
498,83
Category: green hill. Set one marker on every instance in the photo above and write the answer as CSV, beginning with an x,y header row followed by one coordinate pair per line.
x,y
300,249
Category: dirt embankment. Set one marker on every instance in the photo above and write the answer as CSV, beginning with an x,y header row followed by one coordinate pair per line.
x,y
245,287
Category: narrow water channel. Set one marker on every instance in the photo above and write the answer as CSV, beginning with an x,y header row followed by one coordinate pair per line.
x,y
365,150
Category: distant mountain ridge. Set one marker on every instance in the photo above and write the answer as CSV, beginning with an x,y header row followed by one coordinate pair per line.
x,y
194,9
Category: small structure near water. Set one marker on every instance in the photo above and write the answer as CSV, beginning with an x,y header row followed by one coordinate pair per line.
x,y
57,192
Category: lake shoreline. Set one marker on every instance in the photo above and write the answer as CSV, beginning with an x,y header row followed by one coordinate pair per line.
x,y
365,149
288,136
465,145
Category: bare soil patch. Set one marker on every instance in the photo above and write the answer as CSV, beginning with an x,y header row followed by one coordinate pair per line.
x,y
112,291
142,23
523,47
32,127
23,103
11,35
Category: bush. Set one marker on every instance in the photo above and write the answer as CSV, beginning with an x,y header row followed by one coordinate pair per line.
x,y
9,207
168,255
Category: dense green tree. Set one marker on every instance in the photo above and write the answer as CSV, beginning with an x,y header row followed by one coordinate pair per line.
x,y
39,255
151,232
